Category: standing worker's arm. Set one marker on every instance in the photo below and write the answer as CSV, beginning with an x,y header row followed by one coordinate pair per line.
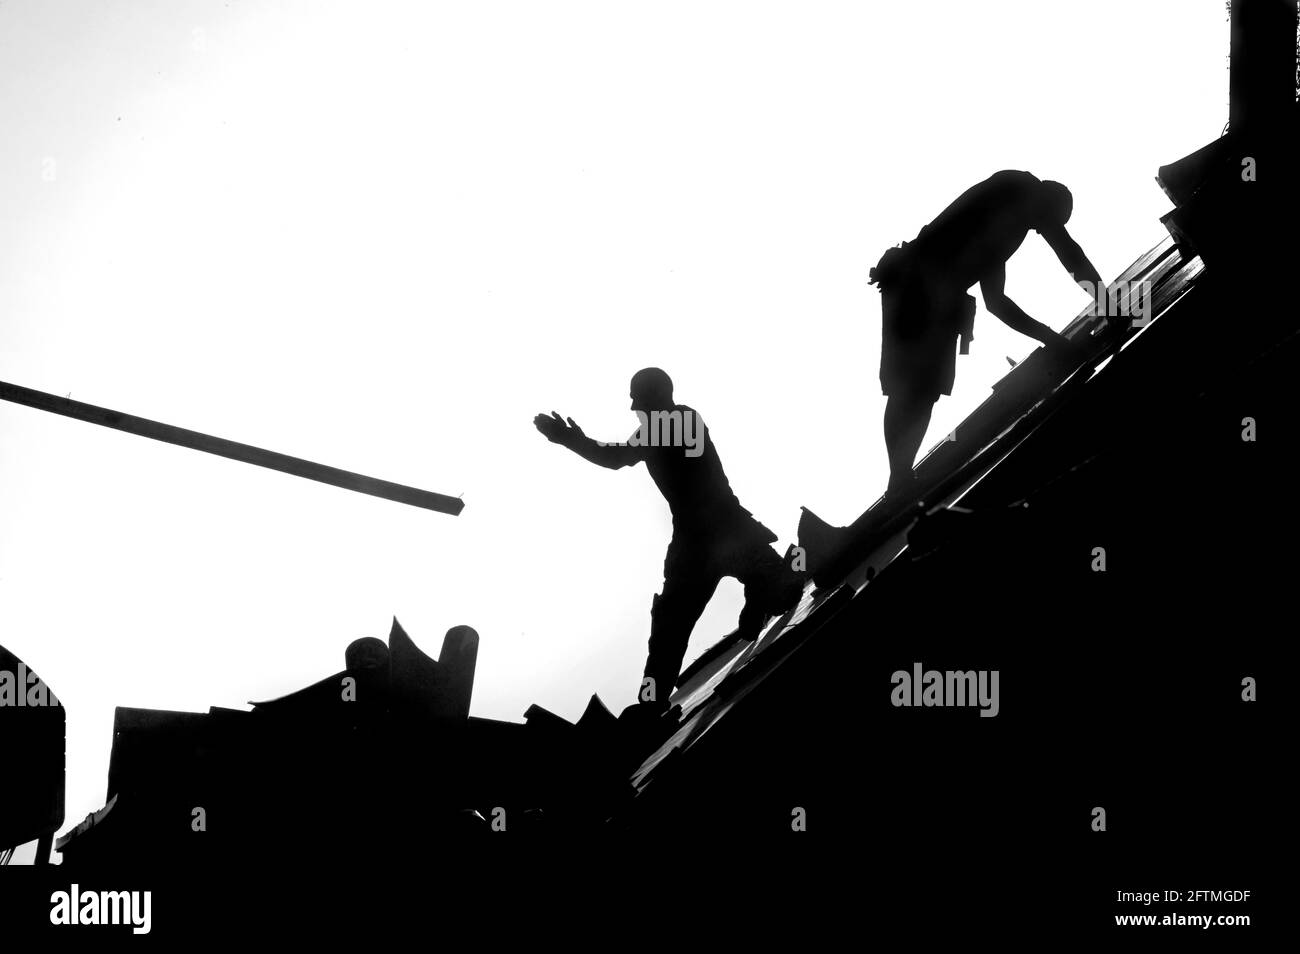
x,y
555,429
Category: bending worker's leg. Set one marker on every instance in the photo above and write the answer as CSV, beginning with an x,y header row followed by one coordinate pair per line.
x,y
907,416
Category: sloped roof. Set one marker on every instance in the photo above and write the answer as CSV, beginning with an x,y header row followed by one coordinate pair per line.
x,y
1022,402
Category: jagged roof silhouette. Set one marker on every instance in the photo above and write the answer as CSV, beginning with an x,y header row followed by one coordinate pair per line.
x,y
1052,455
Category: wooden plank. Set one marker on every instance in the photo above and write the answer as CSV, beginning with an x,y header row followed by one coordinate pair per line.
x,y
231,449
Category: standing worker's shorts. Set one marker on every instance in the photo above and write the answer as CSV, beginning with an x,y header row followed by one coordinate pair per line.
x,y
918,343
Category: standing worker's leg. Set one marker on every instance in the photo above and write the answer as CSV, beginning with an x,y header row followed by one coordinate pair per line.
x,y
675,611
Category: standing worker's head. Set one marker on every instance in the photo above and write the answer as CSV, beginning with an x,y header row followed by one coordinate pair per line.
x,y
652,390
1055,204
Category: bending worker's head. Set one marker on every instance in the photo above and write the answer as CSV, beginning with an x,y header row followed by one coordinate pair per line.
x,y
651,390
1055,204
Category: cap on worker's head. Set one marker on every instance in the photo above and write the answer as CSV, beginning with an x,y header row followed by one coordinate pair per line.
x,y
652,388
1058,203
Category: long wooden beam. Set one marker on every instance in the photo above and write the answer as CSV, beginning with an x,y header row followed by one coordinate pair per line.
x,y
231,449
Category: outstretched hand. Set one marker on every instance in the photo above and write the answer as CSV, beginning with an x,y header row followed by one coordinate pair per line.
x,y
555,429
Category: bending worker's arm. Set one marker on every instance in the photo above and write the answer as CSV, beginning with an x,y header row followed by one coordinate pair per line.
x,y
1011,314
1071,256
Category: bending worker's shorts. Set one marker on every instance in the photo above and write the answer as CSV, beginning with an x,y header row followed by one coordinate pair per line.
x,y
923,320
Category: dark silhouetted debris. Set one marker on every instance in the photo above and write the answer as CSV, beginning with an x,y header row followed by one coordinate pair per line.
x,y
33,726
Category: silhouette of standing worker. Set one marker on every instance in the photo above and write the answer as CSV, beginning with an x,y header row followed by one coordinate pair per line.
x,y
713,535
926,309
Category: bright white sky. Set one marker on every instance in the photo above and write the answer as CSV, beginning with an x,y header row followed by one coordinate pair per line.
x,y
384,236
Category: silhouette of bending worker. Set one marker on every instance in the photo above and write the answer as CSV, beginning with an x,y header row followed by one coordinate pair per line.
x,y
713,535
926,309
